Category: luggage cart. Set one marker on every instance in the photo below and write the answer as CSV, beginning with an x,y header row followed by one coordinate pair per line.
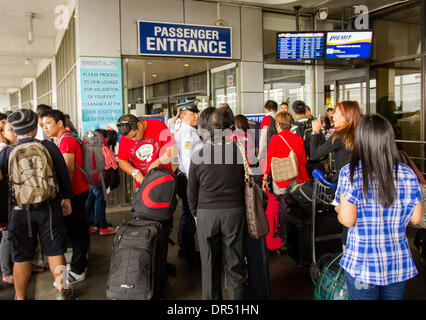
x,y
323,194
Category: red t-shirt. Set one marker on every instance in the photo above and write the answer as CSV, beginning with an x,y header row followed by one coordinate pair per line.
x,y
141,153
68,144
265,121
278,148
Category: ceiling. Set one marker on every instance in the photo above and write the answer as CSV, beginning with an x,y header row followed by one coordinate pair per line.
x,y
312,6
14,49
166,69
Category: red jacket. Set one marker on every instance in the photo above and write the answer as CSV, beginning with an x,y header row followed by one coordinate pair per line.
x,y
278,148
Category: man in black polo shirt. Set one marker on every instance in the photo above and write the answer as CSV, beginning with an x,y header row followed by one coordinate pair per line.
x,y
45,219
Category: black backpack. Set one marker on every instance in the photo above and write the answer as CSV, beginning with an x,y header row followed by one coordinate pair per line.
x,y
254,125
271,130
156,196
420,243
304,129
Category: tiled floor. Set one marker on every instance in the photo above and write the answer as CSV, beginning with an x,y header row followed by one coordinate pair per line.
x,y
289,282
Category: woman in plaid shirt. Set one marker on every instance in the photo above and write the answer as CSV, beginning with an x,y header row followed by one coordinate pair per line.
x,y
378,196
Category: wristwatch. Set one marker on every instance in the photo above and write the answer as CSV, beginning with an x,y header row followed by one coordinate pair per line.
x,y
135,173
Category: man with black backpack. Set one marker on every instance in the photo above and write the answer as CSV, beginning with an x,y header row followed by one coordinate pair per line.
x,y
40,192
303,127
70,146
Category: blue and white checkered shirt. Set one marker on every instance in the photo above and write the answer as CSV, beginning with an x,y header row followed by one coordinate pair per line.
x,y
377,250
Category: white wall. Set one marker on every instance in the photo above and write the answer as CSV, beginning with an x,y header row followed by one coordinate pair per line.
x,y
98,28
4,102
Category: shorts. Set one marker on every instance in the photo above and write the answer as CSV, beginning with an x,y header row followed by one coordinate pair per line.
x,y
22,247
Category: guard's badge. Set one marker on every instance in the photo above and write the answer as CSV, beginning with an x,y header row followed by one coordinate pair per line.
x,y
187,145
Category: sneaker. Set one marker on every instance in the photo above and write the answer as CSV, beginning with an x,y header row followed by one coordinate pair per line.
x,y
107,231
93,229
73,278
76,278
65,294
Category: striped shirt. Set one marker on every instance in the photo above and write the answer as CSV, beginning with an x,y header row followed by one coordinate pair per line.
x,y
377,250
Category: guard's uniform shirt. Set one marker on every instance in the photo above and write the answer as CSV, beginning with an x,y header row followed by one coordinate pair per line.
x,y
188,142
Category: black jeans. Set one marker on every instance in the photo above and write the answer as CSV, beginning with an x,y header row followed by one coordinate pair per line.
x,y
187,228
259,282
78,231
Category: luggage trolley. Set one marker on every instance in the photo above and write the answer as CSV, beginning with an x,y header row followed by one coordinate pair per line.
x,y
323,193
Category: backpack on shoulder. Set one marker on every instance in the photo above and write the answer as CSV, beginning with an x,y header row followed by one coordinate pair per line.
x,y
271,130
156,196
32,178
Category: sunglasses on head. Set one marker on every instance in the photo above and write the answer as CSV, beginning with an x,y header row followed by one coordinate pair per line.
x,y
126,126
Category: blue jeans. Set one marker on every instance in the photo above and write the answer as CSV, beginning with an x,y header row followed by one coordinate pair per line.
x,y
95,207
362,291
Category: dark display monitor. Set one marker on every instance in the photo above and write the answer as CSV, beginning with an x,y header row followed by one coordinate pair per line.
x,y
348,44
300,45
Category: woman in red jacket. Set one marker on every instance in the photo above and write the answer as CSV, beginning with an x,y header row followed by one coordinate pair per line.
x,y
279,149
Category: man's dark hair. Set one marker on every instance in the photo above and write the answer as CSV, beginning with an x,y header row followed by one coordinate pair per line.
x,y
271,105
203,120
69,124
3,116
174,113
286,103
55,114
127,123
222,118
41,108
299,107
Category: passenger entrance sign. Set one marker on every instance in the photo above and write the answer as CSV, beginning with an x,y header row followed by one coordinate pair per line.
x,y
349,44
101,92
166,39
300,45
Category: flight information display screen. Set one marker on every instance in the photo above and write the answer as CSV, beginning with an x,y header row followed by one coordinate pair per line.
x,y
349,44
300,45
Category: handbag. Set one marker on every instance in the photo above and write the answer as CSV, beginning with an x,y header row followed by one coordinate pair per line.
x,y
284,169
422,181
257,223
331,284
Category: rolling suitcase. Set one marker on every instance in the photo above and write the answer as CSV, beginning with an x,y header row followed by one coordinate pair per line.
x,y
273,241
135,261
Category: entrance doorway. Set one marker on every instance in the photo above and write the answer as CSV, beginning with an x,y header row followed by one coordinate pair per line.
x,y
152,83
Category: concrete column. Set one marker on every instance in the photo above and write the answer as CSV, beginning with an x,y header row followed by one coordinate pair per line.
x,y
318,98
251,65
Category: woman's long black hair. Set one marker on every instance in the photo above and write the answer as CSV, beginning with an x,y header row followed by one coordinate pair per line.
x,y
375,147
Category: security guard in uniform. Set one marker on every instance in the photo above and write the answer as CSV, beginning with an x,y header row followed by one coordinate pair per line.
x,y
187,141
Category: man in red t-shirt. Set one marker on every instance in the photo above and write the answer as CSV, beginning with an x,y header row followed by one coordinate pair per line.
x,y
70,147
144,145
271,108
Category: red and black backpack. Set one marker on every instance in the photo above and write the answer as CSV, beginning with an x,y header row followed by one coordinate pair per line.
x,y
156,197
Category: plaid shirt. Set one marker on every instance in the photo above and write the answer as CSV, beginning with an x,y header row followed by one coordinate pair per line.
x,y
377,250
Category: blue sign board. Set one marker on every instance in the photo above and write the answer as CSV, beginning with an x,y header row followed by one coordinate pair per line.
x,y
349,44
167,39
101,92
300,45
258,117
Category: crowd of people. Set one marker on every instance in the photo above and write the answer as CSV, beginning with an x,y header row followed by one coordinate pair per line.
x,y
376,196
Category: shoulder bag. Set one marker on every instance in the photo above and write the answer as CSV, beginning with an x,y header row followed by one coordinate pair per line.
x,y
257,223
284,169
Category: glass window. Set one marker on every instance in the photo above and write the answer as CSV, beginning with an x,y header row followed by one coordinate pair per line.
x,y
287,85
224,88
396,94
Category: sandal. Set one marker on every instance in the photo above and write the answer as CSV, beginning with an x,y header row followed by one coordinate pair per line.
x,y
8,279
37,269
